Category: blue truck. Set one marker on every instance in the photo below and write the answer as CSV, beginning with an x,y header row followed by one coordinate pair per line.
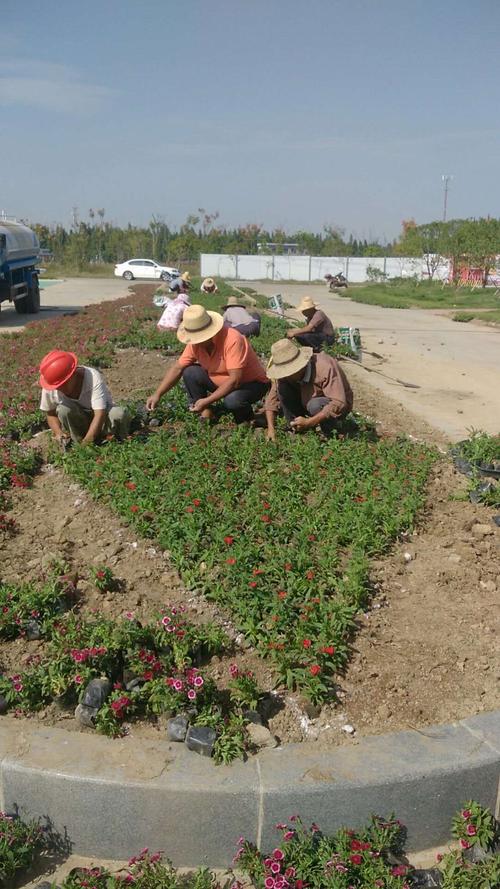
x,y
19,250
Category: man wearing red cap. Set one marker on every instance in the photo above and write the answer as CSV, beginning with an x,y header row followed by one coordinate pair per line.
x,y
77,401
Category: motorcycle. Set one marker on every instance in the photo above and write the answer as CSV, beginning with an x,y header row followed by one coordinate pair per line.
x,y
335,282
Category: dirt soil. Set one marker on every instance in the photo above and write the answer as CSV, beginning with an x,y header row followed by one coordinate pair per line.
x,y
427,651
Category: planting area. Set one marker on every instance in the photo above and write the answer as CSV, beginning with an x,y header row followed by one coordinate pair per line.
x,y
211,575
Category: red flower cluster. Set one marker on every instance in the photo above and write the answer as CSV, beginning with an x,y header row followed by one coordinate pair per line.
x,y
119,706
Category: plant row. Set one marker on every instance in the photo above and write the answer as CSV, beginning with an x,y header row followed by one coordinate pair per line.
x,y
122,669
303,858
280,536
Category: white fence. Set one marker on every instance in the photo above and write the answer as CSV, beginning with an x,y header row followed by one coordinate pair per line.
x,y
313,268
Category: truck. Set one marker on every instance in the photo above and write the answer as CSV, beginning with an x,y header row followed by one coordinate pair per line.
x,y
19,250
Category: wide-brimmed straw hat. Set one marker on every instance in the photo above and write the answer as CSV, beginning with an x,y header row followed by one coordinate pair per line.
x,y
307,303
233,301
198,325
287,358
186,276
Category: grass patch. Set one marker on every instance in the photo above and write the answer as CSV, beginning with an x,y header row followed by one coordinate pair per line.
x,y
407,294
279,535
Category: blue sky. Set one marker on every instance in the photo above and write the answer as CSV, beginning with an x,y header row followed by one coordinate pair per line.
x,y
279,112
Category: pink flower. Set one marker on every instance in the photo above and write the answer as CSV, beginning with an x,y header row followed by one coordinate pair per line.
x,y
471,830
278,855
166,620
464,844
78,679
275,867
198,681
289,835
269,883
233,669
191,694
18,686
290,872
399,870
466,813
268,862
178,686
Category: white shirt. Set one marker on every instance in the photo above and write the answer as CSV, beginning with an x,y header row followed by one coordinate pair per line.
x,y
237,315
94,395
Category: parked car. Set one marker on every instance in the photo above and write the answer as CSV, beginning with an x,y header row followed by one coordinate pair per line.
x,y
145,268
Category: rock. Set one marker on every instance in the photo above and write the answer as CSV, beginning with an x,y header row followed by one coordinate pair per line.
x,y
86,715
426,879
476,496
482,530
4,704
253,716
177,728
154,422
96,693
260,736
33,630
46,885
496,520
348,729
407,557
201,739
311,710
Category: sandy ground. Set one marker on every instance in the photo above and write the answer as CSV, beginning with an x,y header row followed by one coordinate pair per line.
x,y
456,366
67,295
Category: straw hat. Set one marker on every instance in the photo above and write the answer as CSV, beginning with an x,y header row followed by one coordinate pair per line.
x,y
186,276
233,301
307,303
287,358
209,282
199,325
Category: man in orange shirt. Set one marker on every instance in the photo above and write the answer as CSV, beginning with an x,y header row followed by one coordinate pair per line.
x,y
217,364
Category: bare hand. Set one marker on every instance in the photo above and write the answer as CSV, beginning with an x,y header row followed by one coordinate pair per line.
x,y
151,402
200,405
291,333
300,424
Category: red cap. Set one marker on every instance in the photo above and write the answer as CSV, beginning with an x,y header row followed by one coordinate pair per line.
x,y
56,369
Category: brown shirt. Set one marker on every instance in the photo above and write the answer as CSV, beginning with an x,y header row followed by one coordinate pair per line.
x,y
326,379
320,323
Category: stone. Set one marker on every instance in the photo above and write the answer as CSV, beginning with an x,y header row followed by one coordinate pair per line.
x,y
407,557
253,716
177,728
46,885
201,739
96,693
496,520
311,710
260,736
348,729
482,530
33,630
426,879
86,715
4,704
488,585
154,422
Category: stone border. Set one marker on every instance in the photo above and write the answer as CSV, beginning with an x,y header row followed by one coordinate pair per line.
x,y
111,798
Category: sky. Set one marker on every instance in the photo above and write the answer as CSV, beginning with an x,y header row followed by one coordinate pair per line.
x,y
278,112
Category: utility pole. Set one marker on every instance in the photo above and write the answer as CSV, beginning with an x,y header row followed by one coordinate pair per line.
x,y
446,181
74,215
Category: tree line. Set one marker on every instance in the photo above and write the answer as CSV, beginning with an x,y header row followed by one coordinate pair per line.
x,y
472,242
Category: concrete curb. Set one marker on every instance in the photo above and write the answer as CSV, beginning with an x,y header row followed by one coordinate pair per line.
x,y
111,798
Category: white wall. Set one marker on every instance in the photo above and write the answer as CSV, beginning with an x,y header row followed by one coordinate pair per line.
x,y
312,268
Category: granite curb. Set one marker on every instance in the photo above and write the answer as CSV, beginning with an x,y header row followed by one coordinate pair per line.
x,y
109,799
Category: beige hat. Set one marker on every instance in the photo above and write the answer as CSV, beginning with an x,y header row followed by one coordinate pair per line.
x,y
286,359
233,301
209,282
307,303
186,276
199,325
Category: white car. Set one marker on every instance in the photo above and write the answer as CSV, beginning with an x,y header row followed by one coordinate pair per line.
x,y
145,268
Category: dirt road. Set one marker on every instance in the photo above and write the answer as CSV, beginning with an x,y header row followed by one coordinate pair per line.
x,y
64,296
457,366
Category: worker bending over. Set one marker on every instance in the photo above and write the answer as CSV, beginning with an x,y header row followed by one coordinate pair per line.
x,y
237,316
310,389
318,331
218,364
77,401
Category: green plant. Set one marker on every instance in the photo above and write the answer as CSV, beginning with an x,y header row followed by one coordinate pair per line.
x,y
464,317
475,825
103,577
19,844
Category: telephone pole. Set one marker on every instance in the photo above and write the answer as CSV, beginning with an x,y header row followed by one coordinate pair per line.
x,y
446,181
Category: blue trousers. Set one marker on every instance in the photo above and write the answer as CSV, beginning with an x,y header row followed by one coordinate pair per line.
x,y
198,384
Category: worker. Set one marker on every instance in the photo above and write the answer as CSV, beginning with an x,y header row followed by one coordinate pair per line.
x,y
318,330
173,311
209,286
239,318
181,284
218,364
77,401
310,389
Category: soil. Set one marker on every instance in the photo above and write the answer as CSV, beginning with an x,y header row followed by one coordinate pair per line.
x,y
427,651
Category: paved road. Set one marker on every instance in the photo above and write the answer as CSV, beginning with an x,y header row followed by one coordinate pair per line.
x,y
456,365
65,296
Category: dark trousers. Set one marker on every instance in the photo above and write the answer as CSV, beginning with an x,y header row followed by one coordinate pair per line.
x,y
316,340
291,403
198,384
250,329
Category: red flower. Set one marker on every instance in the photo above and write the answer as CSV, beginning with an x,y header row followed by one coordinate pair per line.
x,y
312,537
266,519
307,643
134,509
310,575
231,561
130,485
266,506
256,571
328,649
356,859
147,675
189,509
252,584
288,566
399,870
229,540
315,669
197,502
282,594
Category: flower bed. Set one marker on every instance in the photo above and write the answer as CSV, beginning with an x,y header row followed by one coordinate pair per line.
x,y
20,843
281,536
